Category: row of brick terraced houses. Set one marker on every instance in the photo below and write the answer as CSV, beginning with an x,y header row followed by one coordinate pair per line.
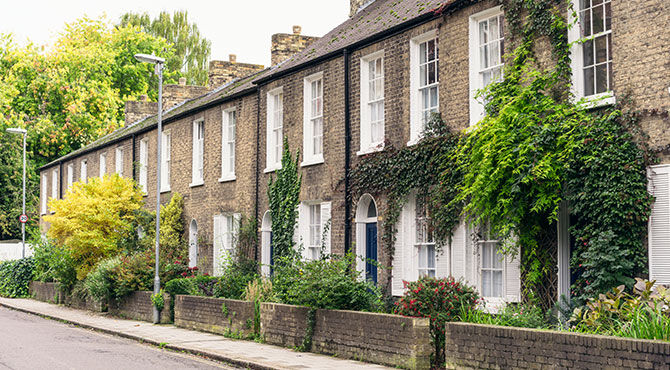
x,y
366,85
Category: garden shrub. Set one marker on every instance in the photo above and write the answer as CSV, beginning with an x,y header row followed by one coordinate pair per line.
x,y
514,315
440,300
259,290
53,263
238,271
15,276
100,282
201,285
328,283
172,243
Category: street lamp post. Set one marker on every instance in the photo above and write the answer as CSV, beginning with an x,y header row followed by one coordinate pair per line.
x,y
23,224
159,62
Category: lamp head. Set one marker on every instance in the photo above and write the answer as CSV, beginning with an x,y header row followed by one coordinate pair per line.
x,y
146,58
17,131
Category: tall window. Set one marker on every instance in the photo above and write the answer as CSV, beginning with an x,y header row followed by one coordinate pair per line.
x,y
314,246
372,102
275,125
165,161
228,145
313,119
44,193
425,79
491,266
144,162
70,175
103,164
198,152
592,56
119,161
225,233
487,47
424,240
54,184
83,174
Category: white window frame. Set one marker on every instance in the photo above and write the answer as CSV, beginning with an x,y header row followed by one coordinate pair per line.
x,y
118,160
422,246
198,153
313,248
83,173
274,124
70,175
368,145
226,229
416,121
577,62
144,163
312,118
308,225
476,84
166,160
228,143
54,184
103,164
45,188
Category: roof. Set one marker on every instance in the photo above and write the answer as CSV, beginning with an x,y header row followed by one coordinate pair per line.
x,y
373,19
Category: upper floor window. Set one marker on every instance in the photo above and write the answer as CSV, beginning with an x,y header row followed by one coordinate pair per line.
x,y
119,161
275,125
44,194
424,81
54,184
592,55
372,102
144,162
165,160
197,172
313,119
487,47
70,175
83,174
228,144
103,164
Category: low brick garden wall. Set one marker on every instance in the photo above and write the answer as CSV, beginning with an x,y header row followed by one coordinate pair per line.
x,y
45,292
485,346
208,314
385,339
138,306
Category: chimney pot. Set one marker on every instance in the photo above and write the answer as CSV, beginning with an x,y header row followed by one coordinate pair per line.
x,y
232,58
144,97
297,30
182,81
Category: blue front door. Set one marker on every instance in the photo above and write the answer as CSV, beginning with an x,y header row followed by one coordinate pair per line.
x,y
371,251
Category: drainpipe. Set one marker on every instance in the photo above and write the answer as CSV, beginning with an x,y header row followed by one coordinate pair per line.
x,y
132,159
258,148
347,155
60,179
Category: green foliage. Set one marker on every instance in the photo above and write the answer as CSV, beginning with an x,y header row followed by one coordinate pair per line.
x,y
201,285
172,243
158,300
440,300
15,276
53,263
642,314
192,50
283,195
238,271
515,315
259,290
92,218
327,283
134,273
100,282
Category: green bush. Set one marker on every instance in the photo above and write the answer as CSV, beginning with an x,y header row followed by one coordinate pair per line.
x,y
15,277
53,263
515,315
100,281
237,273
201,285
328,283
440,300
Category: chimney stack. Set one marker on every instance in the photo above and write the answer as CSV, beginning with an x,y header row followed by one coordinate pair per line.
x,y
232,58
221,72
140,109
356,6
284,45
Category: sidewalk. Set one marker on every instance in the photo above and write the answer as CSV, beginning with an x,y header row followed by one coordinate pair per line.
x,y
247,354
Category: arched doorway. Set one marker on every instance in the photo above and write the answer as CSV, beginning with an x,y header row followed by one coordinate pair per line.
x,y
366,236
193,244
266,244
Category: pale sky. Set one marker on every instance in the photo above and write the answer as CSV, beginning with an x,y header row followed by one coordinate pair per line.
x,y
242,27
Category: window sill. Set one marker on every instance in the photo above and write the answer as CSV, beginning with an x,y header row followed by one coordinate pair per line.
x,y
271,169
227,178
414,141
166,190
196,184
597,101
312,161
374,148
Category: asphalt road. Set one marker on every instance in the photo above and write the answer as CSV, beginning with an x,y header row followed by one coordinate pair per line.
x,y
31,342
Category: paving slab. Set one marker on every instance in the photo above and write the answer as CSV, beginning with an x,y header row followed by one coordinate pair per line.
x,y
238,352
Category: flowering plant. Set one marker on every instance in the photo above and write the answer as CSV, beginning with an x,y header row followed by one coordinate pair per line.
x,y
440,300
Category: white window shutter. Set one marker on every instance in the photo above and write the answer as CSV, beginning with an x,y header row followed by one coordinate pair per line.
x,y
194,153
398,255
458,250
361,249
237,219
512,279
218,245
297,227
410,253
659,224
325,222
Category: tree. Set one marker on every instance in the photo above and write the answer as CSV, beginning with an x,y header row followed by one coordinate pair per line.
x,y
93,218
192,51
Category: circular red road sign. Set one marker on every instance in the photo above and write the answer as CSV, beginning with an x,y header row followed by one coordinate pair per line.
x,y
23,219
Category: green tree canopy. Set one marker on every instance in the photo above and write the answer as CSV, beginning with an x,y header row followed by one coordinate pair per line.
x,y
192,50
